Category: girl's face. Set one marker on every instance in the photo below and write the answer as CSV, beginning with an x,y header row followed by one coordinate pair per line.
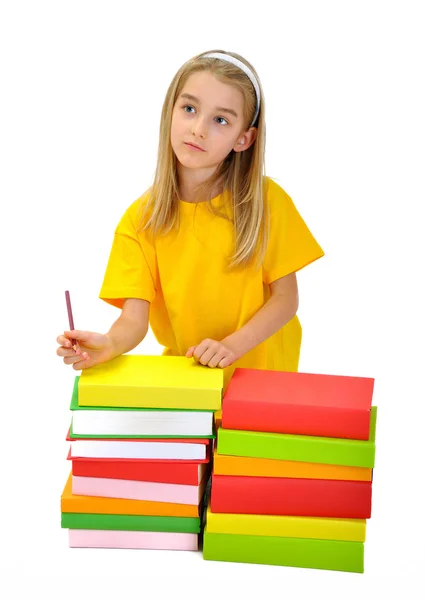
x,y
208,113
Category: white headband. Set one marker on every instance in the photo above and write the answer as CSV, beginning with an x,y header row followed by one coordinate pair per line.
x,y
245,69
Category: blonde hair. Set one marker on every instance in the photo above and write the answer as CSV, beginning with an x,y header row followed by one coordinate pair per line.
x,y
240,173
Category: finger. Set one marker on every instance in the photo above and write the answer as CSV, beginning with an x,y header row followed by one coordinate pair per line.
x,y
189,352
71,360
77,334
82,364
61,351
63,341
211,351
219,356
68,350
226,362
202,347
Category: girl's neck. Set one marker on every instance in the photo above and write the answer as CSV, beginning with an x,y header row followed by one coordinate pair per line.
x,y
189,179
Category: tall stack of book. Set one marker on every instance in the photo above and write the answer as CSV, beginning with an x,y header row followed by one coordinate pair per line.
x,y
141,449
292,475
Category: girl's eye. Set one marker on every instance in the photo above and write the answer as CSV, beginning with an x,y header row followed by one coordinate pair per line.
x,y
188,106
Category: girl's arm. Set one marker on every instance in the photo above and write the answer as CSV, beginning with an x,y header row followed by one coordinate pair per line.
x,y
131,326
276,312
94,348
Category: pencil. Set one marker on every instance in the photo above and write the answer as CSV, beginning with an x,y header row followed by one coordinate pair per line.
x,y
70,318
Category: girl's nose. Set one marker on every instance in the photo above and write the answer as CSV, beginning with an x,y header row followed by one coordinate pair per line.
x,y
199,128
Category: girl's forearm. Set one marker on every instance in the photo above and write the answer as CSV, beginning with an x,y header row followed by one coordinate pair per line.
x,y
125,334
271,317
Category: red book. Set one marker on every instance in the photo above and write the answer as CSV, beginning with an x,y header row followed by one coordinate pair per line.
x,y
298,403
285,496
171,471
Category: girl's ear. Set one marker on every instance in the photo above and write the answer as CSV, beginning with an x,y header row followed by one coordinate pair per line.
x,y
246,140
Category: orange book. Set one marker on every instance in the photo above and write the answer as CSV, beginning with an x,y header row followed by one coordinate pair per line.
x,y
268,467
71,503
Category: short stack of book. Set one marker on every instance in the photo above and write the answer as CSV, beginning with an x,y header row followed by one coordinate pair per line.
x,y
292,475
140,448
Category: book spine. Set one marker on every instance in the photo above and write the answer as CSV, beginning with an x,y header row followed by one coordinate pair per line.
x,y
267,467
138,471
272,417
291,552
303,448
150,540
136,490
285,496
127,396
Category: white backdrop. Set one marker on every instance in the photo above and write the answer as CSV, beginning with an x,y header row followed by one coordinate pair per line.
x,y
82,86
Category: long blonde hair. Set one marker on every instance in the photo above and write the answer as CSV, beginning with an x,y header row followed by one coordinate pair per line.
x,y
240,173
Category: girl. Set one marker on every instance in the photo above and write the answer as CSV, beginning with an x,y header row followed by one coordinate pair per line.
x,y
208,255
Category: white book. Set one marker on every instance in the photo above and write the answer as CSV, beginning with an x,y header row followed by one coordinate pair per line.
x,y
141,449
142,422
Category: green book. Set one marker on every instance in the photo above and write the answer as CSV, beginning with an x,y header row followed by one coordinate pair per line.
x,y
333,555
300,448
125,422
130,523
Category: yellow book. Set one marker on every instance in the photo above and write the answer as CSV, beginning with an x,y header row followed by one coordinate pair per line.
x,y
169,382
350,530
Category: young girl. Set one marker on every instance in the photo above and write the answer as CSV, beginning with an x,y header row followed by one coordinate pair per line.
x,y
208,255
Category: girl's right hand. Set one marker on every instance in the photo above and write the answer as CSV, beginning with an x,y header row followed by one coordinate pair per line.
x,y
92,349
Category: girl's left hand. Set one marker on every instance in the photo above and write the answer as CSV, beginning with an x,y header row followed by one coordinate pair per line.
x,y
212,354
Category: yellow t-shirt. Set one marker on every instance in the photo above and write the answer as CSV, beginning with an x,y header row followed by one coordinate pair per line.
x,y
193,295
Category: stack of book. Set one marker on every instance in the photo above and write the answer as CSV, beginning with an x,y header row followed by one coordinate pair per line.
x,y
292,475
140,448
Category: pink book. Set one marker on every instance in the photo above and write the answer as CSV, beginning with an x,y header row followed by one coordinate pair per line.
x,y
144,540
138,490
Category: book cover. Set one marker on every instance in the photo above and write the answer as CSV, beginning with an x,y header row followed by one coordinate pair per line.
x,y
130,522
71,503
287,496
300,448
143,540
101,421
298,403
151,382
321,528
147,448
332,555
171,471
139,490
269,467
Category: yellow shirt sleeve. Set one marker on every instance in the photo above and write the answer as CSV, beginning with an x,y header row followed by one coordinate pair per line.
x,y
131,268
291,244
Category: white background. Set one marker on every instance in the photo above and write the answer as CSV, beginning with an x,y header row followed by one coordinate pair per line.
x,y
82,86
